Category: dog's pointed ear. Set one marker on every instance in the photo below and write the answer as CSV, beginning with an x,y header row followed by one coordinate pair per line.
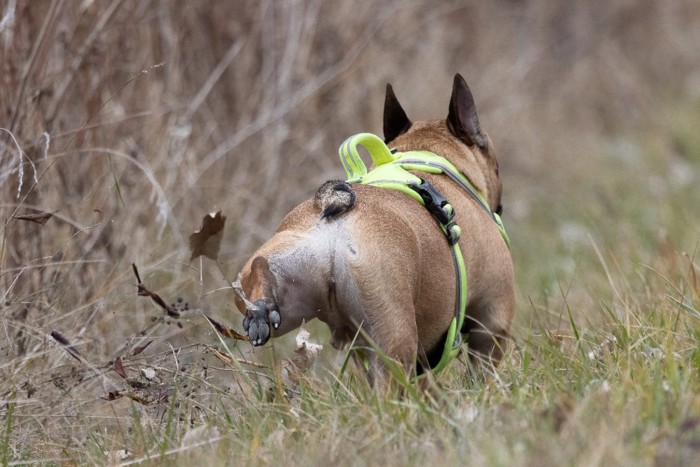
x,y
462,119
396,121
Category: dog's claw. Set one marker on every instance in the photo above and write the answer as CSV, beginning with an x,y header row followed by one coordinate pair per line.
x,y
275,319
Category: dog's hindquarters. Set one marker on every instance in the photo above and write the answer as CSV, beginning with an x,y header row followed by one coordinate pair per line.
x,y
371,258
351,262
307,258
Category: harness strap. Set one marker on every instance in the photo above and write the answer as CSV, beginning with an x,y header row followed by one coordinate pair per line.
x,y
392,171
442,211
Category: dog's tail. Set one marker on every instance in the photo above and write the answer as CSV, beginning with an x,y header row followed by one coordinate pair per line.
x,y
334,198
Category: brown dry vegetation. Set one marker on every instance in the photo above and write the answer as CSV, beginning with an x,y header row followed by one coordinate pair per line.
x,y
129,120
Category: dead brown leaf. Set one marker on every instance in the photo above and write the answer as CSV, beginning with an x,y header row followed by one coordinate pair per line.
x,y
119,368
150,395
207,240
307,352
112,396
70,348
141,348
39,218
226,331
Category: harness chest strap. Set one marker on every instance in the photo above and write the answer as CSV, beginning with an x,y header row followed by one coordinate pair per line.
x,y
392,171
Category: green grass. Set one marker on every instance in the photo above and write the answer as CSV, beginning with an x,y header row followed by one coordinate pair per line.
x,y
620,394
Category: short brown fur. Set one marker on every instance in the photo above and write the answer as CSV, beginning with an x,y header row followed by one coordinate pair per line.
x,y
385,264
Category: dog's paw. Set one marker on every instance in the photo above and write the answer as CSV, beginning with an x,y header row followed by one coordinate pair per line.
x,y
257,323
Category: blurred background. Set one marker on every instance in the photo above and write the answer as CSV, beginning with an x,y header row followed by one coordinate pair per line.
x,y
129,120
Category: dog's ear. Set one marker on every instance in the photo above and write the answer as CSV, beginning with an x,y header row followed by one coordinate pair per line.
x,y
462,119
395,120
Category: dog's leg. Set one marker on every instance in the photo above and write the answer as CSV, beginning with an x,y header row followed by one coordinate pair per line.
x,y
397,339
486,347
487,325
264,316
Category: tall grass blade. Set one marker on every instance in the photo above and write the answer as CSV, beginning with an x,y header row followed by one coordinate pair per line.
x,y
8,429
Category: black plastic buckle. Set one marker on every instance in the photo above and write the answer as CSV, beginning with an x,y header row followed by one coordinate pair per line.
x,y
452,232
438,206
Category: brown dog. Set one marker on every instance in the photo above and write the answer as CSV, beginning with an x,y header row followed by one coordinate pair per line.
x,y
370,257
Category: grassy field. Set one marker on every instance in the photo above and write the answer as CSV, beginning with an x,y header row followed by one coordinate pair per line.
x,y
124,122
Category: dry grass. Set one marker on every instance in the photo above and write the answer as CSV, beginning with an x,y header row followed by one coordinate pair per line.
x,y
129,120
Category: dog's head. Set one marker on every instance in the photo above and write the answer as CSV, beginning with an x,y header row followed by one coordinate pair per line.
x,y
459,138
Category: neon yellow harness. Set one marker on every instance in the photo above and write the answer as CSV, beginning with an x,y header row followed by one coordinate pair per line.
x,y
392,171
